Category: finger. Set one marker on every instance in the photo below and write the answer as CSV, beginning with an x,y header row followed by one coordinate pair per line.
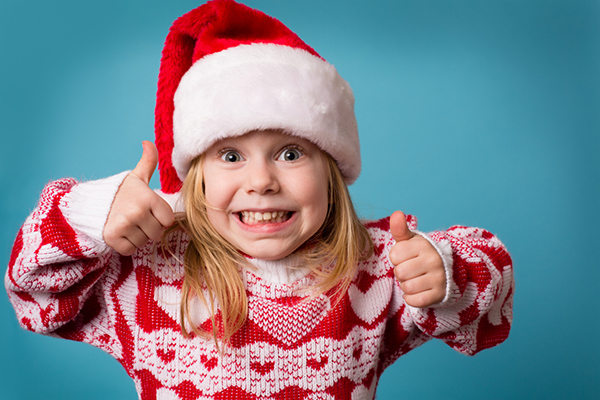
x,y
162,212
416,285
136,235
423,299
416,267
122,227
152,228
399,227
409,269
403,251
126,246
147,164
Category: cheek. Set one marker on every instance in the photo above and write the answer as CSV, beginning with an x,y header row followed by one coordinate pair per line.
x,y
217,197
316,197
216,191
211,195
217,220
321,202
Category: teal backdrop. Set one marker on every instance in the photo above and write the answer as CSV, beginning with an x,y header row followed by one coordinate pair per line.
x,y
484,113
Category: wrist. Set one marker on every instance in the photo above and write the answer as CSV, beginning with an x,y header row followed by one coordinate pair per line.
x,y
88,205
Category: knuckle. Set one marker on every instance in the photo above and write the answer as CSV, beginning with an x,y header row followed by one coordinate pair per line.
x,y
403,246
110,235
411,301
407,287
137,213
398,272
418,301
169,219
124,248
138,239
126,251
393,256
157,234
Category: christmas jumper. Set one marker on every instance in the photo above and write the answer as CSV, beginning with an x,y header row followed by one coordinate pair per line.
x,y
64,281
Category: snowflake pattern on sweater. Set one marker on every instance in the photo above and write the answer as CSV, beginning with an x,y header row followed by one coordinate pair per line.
x,y
66,283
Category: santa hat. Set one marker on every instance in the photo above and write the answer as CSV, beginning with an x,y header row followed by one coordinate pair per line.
x,y
226,70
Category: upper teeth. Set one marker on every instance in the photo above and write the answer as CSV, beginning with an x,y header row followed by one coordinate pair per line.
x,y
265,216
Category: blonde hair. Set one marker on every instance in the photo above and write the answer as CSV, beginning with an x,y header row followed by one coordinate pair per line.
x,y
213,266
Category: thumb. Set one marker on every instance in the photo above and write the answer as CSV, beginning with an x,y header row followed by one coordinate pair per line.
x,y
147,164
399,227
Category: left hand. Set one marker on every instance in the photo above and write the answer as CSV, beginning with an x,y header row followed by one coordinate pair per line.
x,y
418,266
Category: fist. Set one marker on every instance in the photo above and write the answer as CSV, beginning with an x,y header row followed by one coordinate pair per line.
x,y
418,266
137,214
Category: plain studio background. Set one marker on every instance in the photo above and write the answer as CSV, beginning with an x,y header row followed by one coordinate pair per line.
x,y
470,112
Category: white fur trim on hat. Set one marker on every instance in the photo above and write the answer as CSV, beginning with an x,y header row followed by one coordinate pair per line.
x,y
265,86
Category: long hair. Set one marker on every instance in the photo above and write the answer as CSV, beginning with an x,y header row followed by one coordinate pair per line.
x,y
213,266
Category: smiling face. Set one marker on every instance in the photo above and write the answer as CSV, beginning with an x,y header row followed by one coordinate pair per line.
x,y
267,192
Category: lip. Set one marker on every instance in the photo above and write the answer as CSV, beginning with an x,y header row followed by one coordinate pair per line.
x,y
265,227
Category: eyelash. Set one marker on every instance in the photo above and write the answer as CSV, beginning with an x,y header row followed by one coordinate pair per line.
x,y
222,153
292,147
299,149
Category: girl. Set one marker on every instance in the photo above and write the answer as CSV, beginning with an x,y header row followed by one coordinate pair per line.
x,y
249,274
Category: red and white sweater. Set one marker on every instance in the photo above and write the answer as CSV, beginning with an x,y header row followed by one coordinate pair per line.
x,y
64,281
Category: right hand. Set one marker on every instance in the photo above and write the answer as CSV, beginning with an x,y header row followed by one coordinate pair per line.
x,y
418,266
137,214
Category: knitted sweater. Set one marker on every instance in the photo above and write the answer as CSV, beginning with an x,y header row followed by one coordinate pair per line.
x,y
64,281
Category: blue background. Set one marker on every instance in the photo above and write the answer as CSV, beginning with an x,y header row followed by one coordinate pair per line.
x,y
470,112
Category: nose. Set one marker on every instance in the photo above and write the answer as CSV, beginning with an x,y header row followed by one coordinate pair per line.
x,y
261,178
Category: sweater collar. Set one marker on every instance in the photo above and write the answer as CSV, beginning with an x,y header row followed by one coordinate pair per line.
x,y
285,271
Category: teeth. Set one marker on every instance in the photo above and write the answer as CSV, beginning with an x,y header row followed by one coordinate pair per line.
x,y
250,217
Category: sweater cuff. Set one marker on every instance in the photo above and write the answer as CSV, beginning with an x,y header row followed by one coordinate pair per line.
x,y
87,205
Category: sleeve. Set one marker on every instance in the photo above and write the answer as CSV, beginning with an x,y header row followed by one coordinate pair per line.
x,y
477,311
59,256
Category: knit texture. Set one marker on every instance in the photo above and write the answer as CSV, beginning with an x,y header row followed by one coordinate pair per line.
x,y
64,283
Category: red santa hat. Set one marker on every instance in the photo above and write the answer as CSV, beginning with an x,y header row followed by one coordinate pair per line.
x,y
226,70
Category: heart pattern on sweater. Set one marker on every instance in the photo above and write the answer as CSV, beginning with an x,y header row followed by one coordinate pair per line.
x,y
370,304
169,299
166,356
209,363
262,368
287,323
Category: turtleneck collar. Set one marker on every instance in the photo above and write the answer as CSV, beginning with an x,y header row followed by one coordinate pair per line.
x,y
284,271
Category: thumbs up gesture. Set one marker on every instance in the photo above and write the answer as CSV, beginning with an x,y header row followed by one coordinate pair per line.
x,y
137,214
418,266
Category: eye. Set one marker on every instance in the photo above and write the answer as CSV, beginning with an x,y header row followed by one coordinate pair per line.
x,y
231,156
290,154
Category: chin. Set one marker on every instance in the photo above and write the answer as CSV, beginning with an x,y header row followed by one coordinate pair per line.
x,y
268,256
267,252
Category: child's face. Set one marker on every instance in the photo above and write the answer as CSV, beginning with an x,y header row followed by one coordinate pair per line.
x,y
267,192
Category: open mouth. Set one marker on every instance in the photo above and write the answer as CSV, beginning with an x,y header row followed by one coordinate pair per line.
x,y
254,218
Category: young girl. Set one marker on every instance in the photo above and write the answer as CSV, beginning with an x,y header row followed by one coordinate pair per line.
x,y
249,274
